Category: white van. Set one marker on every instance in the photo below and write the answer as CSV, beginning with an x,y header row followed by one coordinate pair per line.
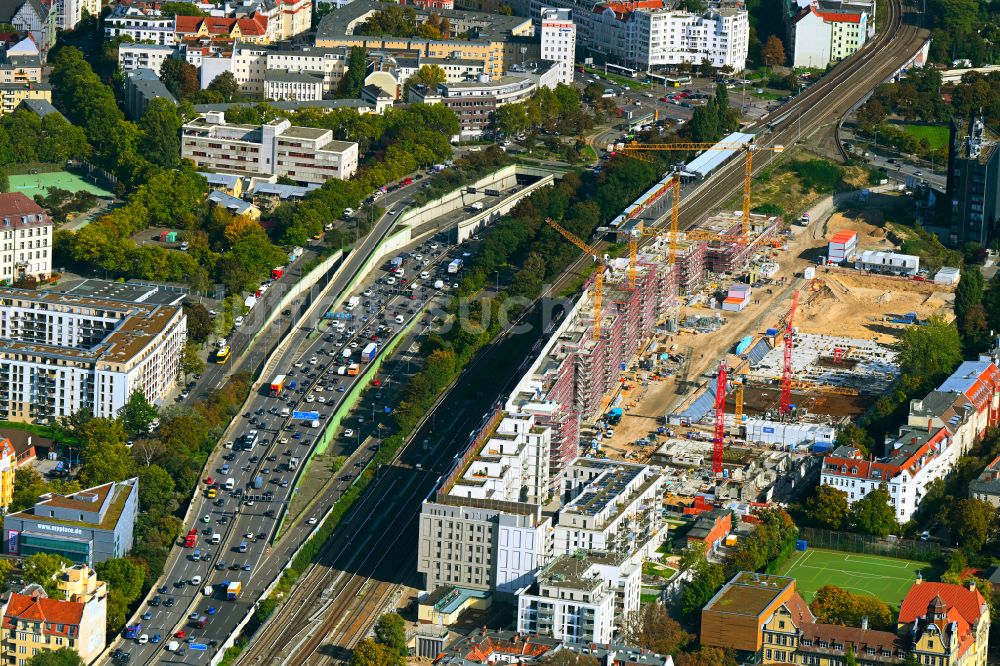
x,y
399,319
230,483
173,646
285,411
216,538
346,353
342,370
208,590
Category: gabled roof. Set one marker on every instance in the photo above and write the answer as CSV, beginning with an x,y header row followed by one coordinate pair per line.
x,y
42,609
968,603
217,25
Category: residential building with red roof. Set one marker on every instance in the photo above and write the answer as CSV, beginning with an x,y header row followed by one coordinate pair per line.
x,y
252,29
827,31
948,625
27,229
34,622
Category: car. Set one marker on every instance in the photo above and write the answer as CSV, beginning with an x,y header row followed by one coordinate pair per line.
x,y
392,211
156,638
155,601
297,435
206,518
147,616
164,589
340,389
349,433
181,634
925,536
209,480
143,639
311,521
220,565
234,567
918,174
247,567
170,602
248,535
390,280
196,580
248,503
211,610
194,616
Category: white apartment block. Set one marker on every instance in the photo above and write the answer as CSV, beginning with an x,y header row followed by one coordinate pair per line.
x,y
570,601
610,506
141,28
276,148
60,353
26,234
827,31
281,84
649,35
71,11
558,37
329,64
144,56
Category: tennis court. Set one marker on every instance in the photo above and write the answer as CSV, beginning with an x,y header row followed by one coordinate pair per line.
x,y
887,578
31,184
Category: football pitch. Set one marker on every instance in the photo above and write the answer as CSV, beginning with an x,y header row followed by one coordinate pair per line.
x,y
887,578
40,183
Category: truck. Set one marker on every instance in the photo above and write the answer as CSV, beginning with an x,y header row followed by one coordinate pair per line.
x,y
277,386
277,272
439,284
346,353
293,464
396,263
455,266
368,353
353,369
191,538
233,590
353,302
295,253
258,482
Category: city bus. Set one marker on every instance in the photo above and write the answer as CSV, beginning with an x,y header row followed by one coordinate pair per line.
x,y
222,355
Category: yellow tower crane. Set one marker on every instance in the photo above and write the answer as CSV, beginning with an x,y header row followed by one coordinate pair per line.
x,y
633,241
593,251
748,148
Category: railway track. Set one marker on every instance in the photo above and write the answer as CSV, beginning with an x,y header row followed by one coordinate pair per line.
x,y
332,608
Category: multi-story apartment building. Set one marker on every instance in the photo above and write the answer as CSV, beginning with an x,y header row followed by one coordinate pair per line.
x,y
72,11
475,102
21,69
653,34
276,148
142,86
483,528
986,486
34,623
60,353
571,601
282,84
941,428
144,56
251,29
828,31
86,527
974,181
559,40
488,35
141,22
25,234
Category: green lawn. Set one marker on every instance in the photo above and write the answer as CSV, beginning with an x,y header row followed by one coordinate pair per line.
x,y
936,135
656,569
887,578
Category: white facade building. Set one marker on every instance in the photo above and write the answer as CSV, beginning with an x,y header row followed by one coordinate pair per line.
x,y
828,31
26,234
276,148
143,56
280,84
570,601
889,263
141,28
60,353
559,40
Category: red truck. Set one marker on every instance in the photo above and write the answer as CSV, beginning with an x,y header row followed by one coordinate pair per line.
x,y
191,540
277,386
407,181
276,273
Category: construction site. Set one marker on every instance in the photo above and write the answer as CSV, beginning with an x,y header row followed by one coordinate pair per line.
x,y
730,354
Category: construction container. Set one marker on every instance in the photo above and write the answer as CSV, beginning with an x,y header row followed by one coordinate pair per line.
x,y
947,275
788,434
731,540
843,246
809,273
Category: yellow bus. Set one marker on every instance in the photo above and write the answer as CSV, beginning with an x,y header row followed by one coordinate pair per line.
x,y
222,355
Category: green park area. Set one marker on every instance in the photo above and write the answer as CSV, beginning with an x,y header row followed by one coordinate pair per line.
x,y
31,184
936,135
887,578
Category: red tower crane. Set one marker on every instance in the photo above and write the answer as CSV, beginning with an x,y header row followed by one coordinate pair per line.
x,y
720,421
786,375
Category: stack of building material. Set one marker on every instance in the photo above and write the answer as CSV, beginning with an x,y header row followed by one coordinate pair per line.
x,y
737,299
843,246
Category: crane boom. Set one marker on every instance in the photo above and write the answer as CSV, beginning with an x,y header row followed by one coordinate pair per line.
x,y
786,375
593,251
719,439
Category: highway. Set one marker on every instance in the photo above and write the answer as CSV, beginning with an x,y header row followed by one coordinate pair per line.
x,y
280,439
357,574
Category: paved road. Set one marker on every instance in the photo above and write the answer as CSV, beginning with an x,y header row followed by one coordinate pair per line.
x,y
899,166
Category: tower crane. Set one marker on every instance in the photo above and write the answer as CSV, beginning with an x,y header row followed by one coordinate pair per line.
x,y
633,242
786,375
748,148
719,439
593,251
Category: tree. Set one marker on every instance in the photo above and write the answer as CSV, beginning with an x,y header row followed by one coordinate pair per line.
x,y
973,522
6,569
123,575
968,293
42,568
567,657
370,653
61,657
653,628
390,631
226,86
199,321
180,77
156,488
835,605
180,9
354,78
773,52
4,181
828,507
137,414
930,352
706,656
28,486
850,659
105,456
427,75
191,361
707,580
873,513
161,131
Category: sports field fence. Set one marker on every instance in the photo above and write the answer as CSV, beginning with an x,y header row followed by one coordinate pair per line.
x,y
910,549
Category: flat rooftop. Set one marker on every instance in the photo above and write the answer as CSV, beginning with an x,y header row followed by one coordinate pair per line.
x,y
749,594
